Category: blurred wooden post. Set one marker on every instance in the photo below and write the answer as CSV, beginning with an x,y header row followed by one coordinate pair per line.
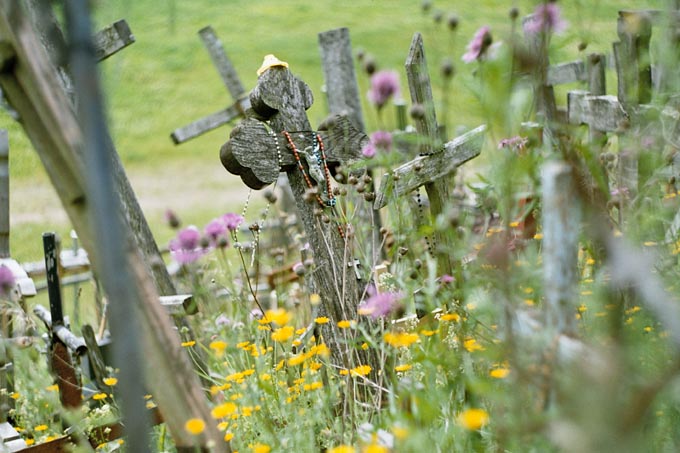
x,y
31,86
561,225
544,94
4,194
231,81
597,86
342,90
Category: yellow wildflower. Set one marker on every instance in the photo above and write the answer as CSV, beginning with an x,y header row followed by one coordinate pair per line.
x,y
52,388
473,419
342,449
400,339
471,345
29,442
361,370
428,333
455,317
194,426
375,448
400,432
345,324
314,299
279,316
402,368
322,320
40,428
260,448
223,410
296,360
110,381
499,373
14,395
218,346
228,437
188,344
99,396
283,334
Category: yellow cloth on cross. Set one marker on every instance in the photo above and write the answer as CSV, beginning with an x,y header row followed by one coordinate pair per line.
x,y
270,61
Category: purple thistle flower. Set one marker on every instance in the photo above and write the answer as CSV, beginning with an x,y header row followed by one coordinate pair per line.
x,y
7,281
232,221
546,19
215,230
384,85
478,45
382,140
380,305
185,248
446,279
368,151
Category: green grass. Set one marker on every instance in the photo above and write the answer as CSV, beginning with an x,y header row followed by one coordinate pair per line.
x,y
166,79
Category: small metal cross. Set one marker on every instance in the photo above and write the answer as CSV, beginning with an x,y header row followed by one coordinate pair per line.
x,y
355,263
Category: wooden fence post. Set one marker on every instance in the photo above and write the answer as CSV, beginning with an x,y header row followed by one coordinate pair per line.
x,y
561,224
342,90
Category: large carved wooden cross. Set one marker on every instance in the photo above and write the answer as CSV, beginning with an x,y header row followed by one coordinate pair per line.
x,y
258,151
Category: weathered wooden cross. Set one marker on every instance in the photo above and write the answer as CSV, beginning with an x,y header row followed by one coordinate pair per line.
x,y
436,161
258,151
231,81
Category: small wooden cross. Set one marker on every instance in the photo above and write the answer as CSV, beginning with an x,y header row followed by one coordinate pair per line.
x,y
435,162
258,150
231,81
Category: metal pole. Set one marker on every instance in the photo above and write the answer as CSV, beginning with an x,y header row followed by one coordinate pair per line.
x,y
110,239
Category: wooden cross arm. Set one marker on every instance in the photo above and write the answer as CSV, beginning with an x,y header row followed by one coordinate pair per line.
x,y
606,113
113,38
251,149
573,71
428,168
210,122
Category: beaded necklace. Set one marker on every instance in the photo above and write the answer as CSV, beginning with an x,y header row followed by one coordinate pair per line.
x,y
319,155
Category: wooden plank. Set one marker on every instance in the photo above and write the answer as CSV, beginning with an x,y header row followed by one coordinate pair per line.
x,y
561,225
603,113
112,39
633,63
4,194
222,62
597,86
574,71
10,439
423,169
179,305
210,122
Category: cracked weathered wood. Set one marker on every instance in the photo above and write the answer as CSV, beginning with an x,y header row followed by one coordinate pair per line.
x,y
561,225
425,169
230,79
31,86
342,91
251,149
281,99
573,71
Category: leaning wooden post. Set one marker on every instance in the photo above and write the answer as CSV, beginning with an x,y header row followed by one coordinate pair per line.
x,y
258,151
544,94
561,224
342,90
427,127
4,194
31,86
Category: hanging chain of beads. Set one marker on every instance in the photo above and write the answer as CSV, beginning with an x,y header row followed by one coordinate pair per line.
x,y
318,155
428,241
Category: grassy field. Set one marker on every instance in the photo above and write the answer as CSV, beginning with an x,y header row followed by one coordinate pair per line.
x,y
166,80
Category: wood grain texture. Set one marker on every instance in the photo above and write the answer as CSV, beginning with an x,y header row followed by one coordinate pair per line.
x,y
210,122
222,62
112,39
